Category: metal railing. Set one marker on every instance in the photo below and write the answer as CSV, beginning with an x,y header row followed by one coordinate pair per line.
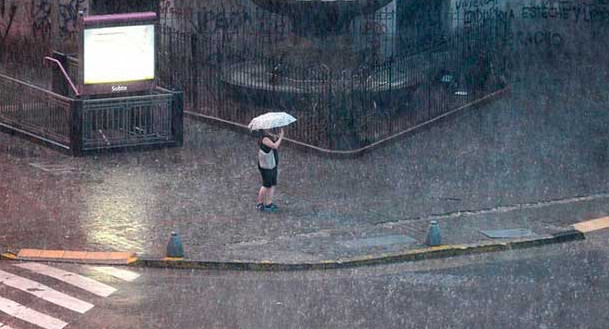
x,y
38,112
78,125
125,121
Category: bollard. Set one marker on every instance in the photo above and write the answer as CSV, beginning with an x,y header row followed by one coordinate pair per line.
x,y
174,247
433,236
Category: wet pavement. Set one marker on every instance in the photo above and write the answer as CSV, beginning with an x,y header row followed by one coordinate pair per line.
x,y
534,159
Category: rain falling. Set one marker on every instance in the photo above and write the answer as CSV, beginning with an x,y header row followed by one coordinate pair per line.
x,y
304,164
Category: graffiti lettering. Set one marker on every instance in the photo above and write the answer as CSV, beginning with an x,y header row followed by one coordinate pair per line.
x,y
164,6
68,13
41,21
68,16
173,13
598,13
474,3
567,10
478,15
543,38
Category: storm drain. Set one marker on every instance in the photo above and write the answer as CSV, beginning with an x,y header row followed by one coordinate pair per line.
x,y
54,168
378,241
509,233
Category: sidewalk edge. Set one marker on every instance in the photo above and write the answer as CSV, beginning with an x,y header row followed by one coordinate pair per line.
x,y
442,251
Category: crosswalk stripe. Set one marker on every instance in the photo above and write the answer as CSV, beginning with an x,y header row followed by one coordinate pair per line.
x,y
44,292
4,326
74,279
117,273
26,314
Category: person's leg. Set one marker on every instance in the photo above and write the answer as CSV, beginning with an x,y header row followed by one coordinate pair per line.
x,y
269,195
270,190
262,192
261,195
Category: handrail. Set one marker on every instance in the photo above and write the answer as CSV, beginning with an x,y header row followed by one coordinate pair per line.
x,y
65,74
29,85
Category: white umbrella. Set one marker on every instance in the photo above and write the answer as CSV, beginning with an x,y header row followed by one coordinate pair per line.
x,y
271,120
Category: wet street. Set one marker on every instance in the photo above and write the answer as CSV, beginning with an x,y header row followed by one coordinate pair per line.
x,y
564,286
535,158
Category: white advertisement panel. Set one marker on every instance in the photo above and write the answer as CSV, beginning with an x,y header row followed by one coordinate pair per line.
x,y
119,54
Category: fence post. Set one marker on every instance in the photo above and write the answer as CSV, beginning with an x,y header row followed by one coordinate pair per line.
x,y
76,127
177,116
194,77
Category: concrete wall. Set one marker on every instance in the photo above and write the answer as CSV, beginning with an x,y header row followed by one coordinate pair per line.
x,y
551,27
47,21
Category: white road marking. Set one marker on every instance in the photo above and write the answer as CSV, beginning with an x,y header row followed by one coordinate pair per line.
x,y
53,168
117,273
79,281
44,292
21,312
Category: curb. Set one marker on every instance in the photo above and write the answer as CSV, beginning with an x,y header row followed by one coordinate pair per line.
x,y
442,251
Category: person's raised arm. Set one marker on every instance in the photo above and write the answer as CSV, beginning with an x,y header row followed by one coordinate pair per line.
x,y
268,142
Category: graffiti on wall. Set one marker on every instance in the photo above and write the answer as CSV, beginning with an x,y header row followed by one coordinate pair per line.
x,y
7,18
541,24
40,14
68,16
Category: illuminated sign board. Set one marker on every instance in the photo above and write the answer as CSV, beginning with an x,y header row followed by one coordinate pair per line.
x,y
118,53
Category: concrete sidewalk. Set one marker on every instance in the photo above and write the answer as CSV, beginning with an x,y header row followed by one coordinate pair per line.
x,y
515,163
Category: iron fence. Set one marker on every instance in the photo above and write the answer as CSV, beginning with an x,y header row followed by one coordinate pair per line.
x,y
390,75
397,80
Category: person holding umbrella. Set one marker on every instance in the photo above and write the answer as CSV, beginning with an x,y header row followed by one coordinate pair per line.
x,y
268,157
267,165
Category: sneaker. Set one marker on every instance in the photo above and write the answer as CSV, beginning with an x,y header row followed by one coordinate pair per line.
x,y
271,207
260,207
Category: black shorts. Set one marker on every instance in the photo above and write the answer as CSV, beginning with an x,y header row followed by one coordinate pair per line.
x,y
269,176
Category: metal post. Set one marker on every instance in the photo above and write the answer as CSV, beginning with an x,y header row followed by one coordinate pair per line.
x,y
55,38
177,116
194,77
76,127
433,235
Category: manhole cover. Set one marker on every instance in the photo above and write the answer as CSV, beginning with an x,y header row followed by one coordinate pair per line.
x,y
378,241
508,233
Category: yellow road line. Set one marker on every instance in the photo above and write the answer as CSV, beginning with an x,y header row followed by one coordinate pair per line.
x,y
592,225
81,256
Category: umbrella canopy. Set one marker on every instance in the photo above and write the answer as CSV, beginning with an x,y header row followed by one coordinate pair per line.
x,y
271,120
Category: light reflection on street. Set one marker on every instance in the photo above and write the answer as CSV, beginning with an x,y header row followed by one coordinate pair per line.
x,y
118,219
